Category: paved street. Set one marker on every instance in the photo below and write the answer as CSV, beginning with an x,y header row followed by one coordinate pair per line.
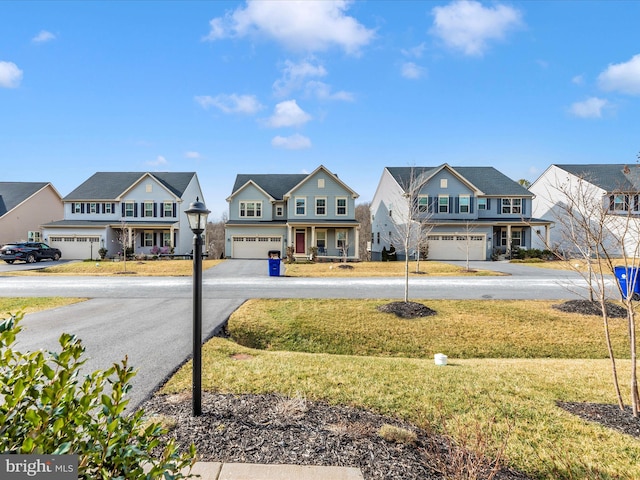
x,y
149,318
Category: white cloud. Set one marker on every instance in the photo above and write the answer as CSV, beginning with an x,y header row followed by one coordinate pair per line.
x,y
10,75
245,104
192,154
288,114
160,160
469,26
590,108
294,142
322,91
622,77
43,37
415,52
294,76
412,71
311,25
578,80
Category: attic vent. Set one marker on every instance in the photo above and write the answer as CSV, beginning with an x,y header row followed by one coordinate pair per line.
x,y
149,188
321,183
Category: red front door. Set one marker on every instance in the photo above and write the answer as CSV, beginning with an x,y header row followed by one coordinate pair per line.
x,y
300,242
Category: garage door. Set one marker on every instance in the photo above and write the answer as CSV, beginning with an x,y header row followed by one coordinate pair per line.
x,y
455,247
255,247
76,248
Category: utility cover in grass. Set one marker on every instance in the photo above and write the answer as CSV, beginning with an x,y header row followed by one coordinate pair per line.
x,y
407,309
587,307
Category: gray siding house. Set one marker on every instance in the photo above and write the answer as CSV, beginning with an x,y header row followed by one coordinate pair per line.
x,y
272,211
24,207
146,208
466,212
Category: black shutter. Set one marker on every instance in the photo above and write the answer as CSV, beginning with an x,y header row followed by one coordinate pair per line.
x,y
113,208
635,203
174,209
450,209
155,209
82,208
122,210
73,207
488,204
472,200
135,209
457,202
431,202
499,200
101,208
142,239
161,205
611,201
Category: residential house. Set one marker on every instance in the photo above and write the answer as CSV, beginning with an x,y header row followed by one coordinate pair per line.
x,y
611,191
474,213
143,210
268,212
24,207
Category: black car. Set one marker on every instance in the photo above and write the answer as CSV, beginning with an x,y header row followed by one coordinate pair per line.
x,y
29,252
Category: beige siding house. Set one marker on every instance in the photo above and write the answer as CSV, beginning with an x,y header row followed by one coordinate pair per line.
x,y
24,207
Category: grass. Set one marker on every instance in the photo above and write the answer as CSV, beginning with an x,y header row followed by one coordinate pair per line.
x,y
391,372
10,305
461,329
133,268
378,269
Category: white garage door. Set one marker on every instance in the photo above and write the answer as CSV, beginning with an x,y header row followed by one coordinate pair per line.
x,y
76,248
255,247
455,247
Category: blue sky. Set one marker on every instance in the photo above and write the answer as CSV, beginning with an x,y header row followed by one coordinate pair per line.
x,y
222,88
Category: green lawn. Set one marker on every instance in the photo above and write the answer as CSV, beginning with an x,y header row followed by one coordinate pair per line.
x,y
381,364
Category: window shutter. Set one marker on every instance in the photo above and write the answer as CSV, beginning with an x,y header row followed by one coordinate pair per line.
x,y
431,202
122,205
174,209
499,200
488,204
611,200
457,202
155,209
472,200
82,208
135,209
142,239
73,207
161,209
524,206
635,203
450,209
101,208
113,208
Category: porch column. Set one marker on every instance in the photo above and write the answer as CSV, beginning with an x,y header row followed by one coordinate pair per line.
x,y
357,229
547,235
171,230
508,252
129,237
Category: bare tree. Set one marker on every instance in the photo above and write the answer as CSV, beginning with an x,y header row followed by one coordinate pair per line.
x,y
215,238
469,228
595,232
411,219
363,217
126,240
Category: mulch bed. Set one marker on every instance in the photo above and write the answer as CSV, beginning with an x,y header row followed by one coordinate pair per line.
x,y
606,415
587,307
407,309
271,429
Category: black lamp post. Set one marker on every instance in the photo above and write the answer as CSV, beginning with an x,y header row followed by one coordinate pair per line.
x,y
197,215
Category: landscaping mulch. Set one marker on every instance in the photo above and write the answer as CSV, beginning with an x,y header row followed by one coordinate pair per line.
x,y
271,429
407,309
587,307
607,415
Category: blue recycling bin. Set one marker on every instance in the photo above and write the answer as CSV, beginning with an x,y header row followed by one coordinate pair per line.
x,y
628,278
274,267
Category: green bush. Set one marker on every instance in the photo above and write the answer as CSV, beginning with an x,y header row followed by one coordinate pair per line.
x,y
48,408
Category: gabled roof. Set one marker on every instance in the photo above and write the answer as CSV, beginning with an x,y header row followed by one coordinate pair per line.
x,y
13,194
487,180
274,184
312,174
110,185
611,177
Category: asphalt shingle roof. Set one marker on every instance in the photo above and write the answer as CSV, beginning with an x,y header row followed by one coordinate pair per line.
x,y
274,184
489,180
610,177
13,194
110,185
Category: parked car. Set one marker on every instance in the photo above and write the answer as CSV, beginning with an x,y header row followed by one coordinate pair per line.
x,y
29,252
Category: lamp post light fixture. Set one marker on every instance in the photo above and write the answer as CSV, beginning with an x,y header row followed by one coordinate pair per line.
x,y
197,215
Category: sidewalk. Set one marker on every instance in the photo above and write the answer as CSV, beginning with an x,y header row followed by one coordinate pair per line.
x,y
252,471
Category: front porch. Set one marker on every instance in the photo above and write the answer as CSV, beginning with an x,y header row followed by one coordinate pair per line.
x,y
324,242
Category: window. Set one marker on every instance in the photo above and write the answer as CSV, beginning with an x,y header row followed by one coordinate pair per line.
x,y
279,211
619,202
464,203
378,238
166,239
321,206
482,204
423,203
33,236
516,238
511,205
148,239
76,208
341,239
341,206
443,204
443,183
167,208
321,240
93,208
251,209
128,209
301,205
148,209
107,208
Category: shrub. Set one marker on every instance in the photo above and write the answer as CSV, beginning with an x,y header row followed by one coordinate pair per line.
x,y
48,408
